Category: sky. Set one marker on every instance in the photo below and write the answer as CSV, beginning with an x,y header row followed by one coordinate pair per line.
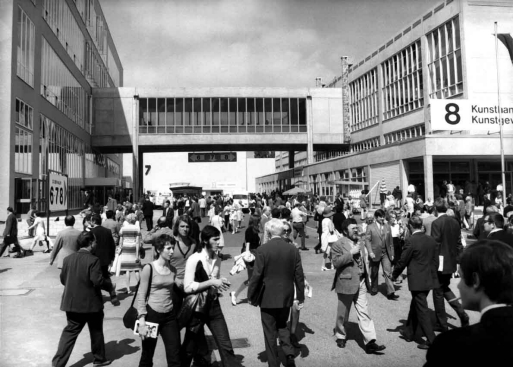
x,y
250,43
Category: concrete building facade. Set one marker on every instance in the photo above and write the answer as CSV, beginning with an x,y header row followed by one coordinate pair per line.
x,y
53,53
447,53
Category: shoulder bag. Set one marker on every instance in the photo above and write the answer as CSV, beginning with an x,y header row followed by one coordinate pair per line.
x,y
131,314
195,306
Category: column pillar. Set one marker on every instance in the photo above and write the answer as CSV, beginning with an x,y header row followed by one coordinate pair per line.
x,y
309,130
346,115
403,177
137,156
291,159
428,178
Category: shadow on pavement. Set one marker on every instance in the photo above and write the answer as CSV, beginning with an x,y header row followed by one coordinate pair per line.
x,y
114,350
4,270
353,333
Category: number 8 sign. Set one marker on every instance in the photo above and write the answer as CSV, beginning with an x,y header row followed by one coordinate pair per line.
x,y
58,186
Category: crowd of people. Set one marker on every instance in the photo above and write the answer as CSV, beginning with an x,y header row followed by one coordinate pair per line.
x,y
180,286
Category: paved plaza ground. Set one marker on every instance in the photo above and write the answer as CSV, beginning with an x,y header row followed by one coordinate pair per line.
x,y
31,322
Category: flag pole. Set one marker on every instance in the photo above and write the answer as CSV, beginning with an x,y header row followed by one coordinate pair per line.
x,y
503,174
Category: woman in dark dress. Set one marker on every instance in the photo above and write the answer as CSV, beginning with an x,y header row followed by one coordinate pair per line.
x,y
251,243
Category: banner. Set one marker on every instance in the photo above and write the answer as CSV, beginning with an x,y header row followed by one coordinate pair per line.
x,y
464,114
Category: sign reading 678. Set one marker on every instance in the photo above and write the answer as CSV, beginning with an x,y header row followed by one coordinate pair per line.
x,y
58,192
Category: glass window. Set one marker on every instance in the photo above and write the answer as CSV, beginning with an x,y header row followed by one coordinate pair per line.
x,y
152,115
179,105
207,112
224,111
170,114
260,111
161,115
251,114
445,61
302,114
232,114
24,114
187,116
241,112
401,94
197,115
216,118
25,48
60,88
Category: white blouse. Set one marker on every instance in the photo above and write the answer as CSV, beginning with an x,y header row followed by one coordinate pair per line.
x,y
212,267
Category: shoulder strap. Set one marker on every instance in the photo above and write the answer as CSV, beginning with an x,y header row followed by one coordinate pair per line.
x,y
149,286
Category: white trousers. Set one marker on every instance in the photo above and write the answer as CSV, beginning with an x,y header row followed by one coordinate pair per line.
x,y
362,312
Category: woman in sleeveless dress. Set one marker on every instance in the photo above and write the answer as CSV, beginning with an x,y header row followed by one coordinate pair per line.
x,y
129,243
158,307
40,233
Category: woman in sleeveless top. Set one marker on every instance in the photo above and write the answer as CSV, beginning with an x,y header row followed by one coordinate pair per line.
x,y
203,273
158,307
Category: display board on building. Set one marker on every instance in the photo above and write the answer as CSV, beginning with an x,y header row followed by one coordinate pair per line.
x,y
58,192
465,114
212,157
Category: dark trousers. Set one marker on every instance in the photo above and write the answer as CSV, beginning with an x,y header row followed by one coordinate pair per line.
x,y
217,325
274,321
382,197
398,249
438,300
170,333
419,316
149,222
76,322
387,270
299,228
10,241
202,211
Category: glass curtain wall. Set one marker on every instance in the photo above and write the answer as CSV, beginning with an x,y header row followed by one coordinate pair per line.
x,y
64,25
25,48
225,115
364,101
61,89
61,151
444,60
402,82
23,138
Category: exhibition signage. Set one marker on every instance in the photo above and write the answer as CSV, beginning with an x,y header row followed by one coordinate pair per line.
x,y
58,192
212,157
464,114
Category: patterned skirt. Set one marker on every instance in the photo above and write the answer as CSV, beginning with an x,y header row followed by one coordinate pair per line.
x,y
128,260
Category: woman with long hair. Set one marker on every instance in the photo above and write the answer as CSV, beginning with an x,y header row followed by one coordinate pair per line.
x,y
158,307
40,233
185,244
203,274
251,243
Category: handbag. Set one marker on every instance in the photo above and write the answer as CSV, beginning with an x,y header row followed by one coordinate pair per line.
x,y
197,305
131,314
142,252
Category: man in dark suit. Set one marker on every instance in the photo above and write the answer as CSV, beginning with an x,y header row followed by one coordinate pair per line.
x,y
65,243
486,286
106,251
147,209
350,284
277,269
378,238
82,301
420,255
446,232
494,225
11,235
168,212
